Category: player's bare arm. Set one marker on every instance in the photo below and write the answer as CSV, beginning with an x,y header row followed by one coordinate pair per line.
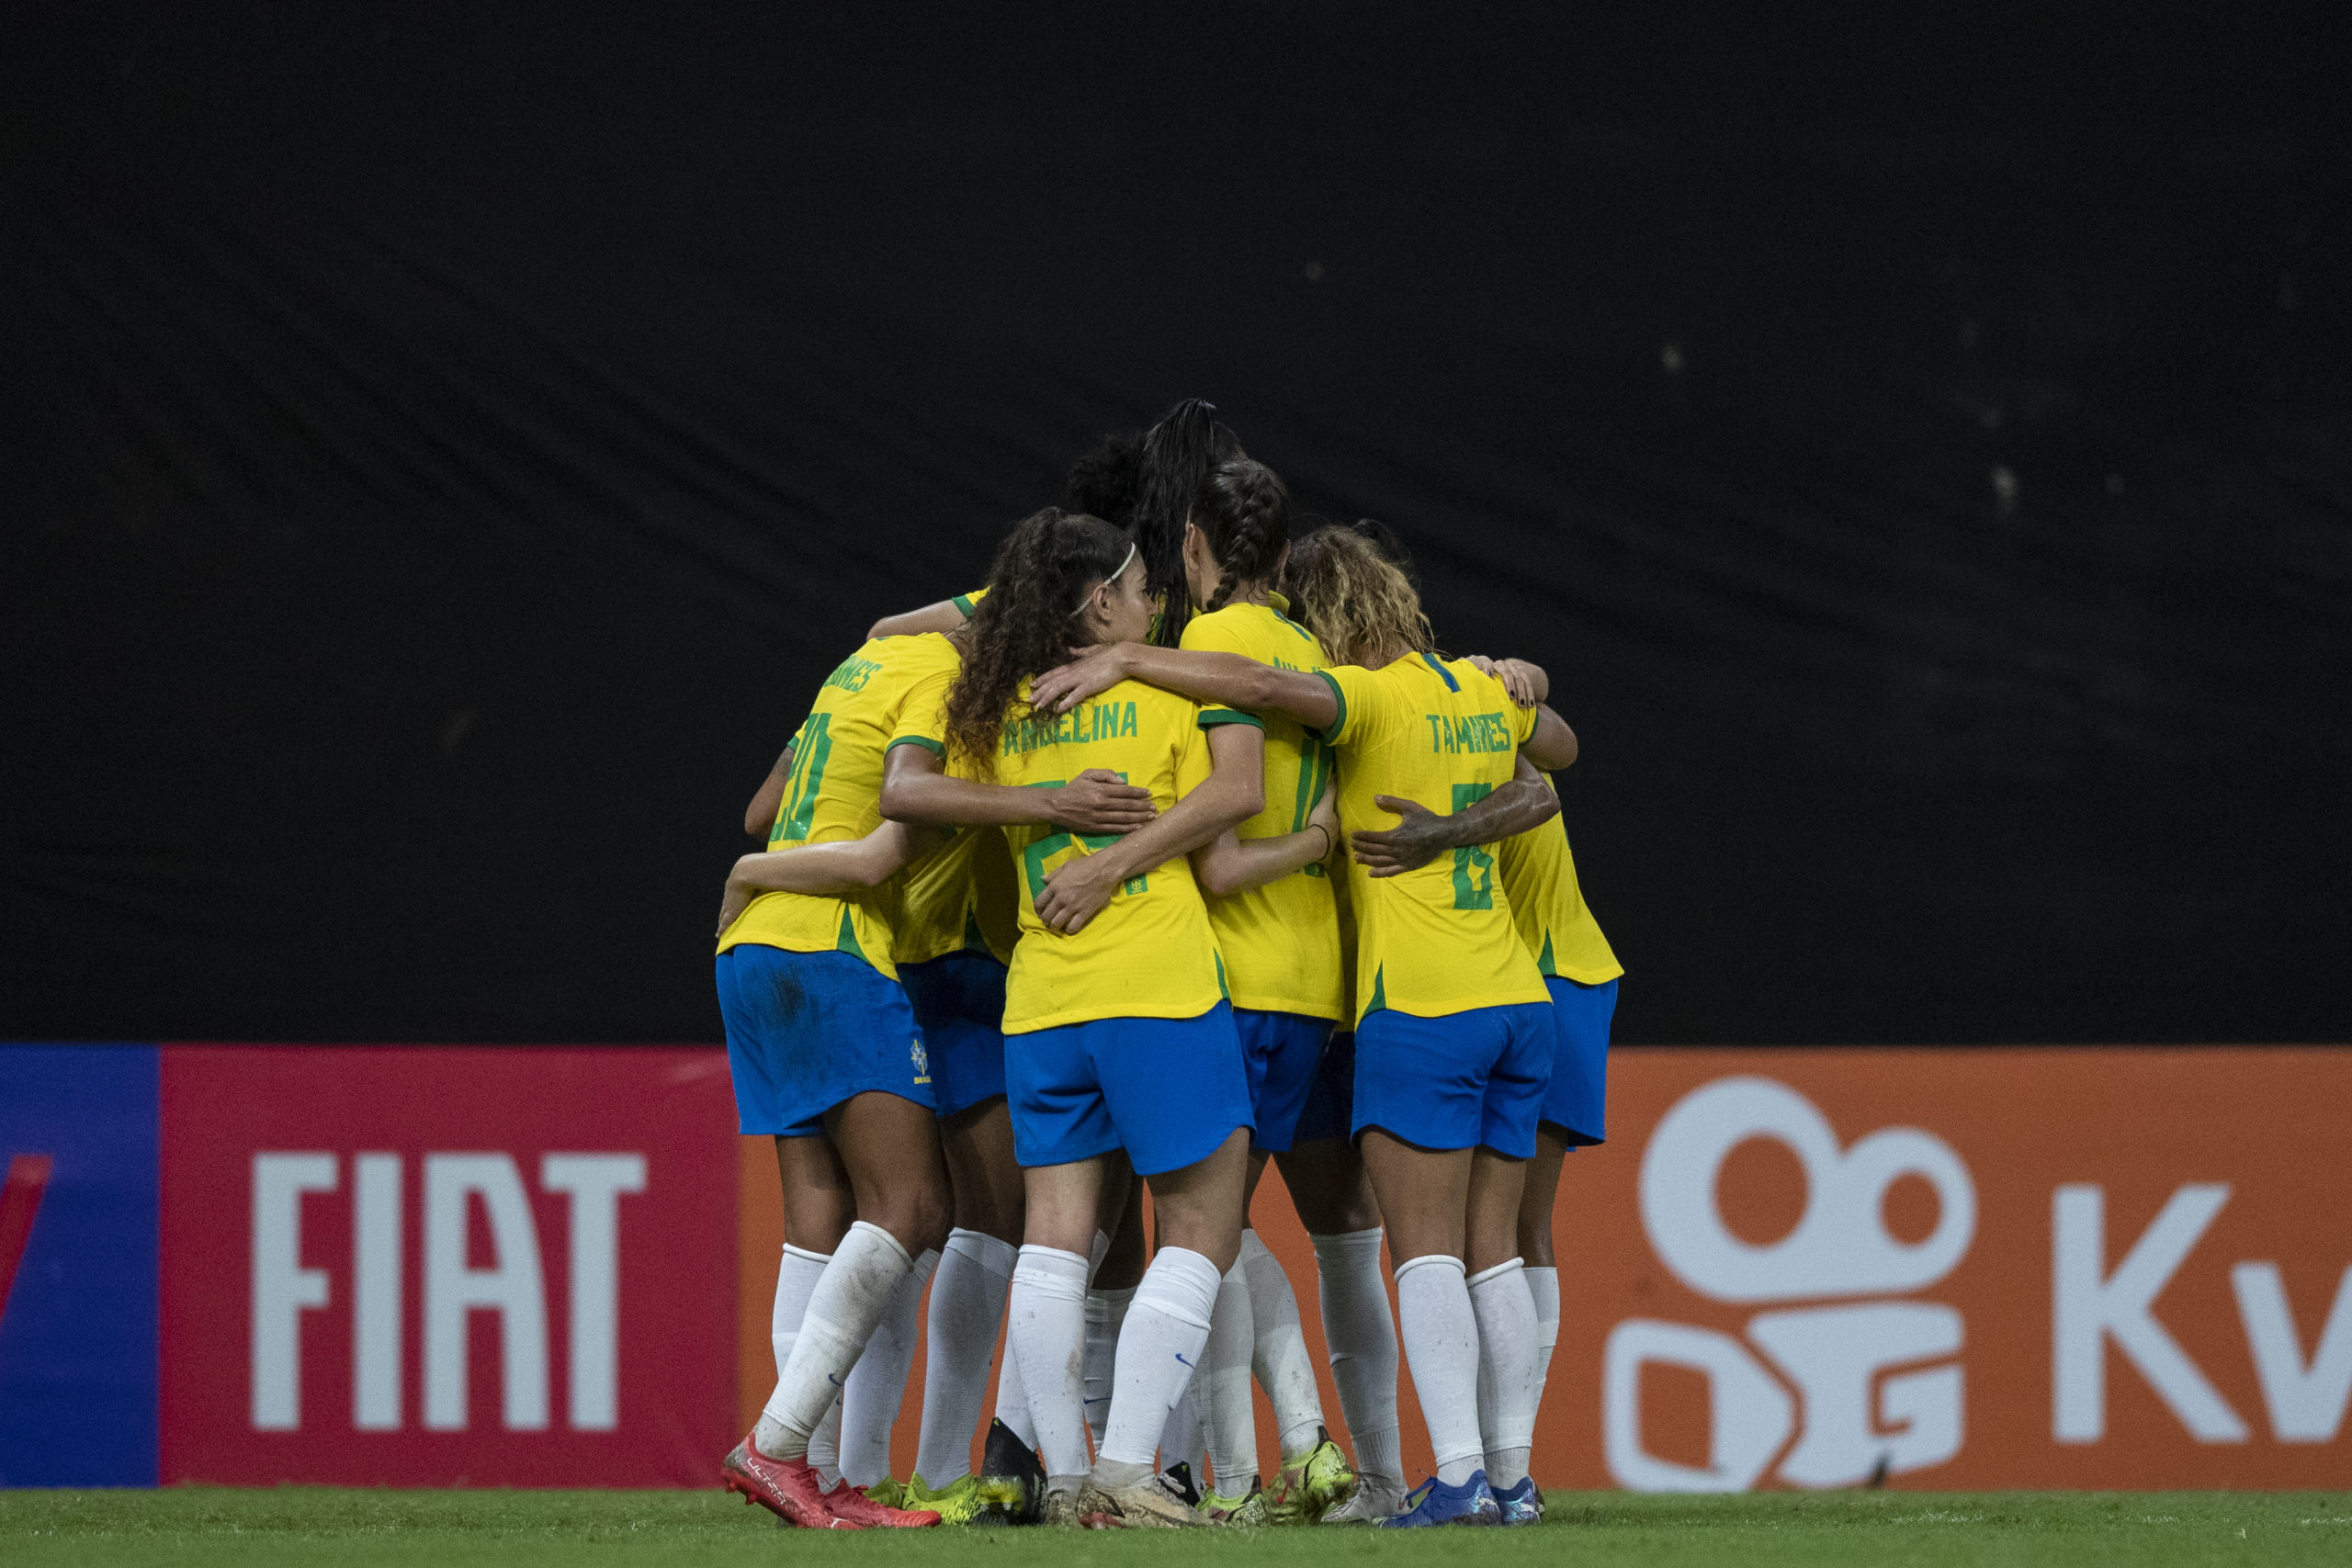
x,y
827,870
760,815
1523,802
1552,746
1235,864
1230,795
917,787
942,617
1225,679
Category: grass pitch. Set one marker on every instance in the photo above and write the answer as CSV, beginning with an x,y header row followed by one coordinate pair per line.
x,y
589,1529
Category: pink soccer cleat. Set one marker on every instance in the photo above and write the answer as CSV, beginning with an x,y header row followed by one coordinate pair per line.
x,y
854,1506
788,1488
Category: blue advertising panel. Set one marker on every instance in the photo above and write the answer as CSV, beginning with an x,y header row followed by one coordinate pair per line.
x,y
78,1191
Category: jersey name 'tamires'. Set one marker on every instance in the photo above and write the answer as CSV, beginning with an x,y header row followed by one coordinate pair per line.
x,y
1438,939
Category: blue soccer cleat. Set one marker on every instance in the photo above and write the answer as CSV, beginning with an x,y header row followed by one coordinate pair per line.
x,y
1520,1505
1435,1503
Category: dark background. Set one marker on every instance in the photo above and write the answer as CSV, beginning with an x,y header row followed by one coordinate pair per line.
x,y
442,452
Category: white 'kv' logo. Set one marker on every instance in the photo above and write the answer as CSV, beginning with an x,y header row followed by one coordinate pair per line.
x,y
1876,1378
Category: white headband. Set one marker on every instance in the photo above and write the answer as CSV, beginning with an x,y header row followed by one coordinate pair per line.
x,y
1106,582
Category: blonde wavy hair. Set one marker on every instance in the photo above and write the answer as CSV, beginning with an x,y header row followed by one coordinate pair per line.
x,y
1358,605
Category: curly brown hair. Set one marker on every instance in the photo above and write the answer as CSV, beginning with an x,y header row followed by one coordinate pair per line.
x,y
1043,571
1358,604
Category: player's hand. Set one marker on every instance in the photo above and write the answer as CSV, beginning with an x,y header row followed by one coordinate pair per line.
x,y
732,902
1097,802
1092,672
1325,816
1517,675
1076,892
1412,843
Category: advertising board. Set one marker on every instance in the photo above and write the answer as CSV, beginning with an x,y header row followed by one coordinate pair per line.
x,y
1946,1269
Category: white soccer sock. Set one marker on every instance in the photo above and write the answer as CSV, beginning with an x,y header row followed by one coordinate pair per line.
x,y
1440,1333
1095,1254
1107,1311
1049,1334
1182,1438
1360,1333
1544,1284
876,1386
1161,1345
966,1309
1285,1369
794,1278
1013,1396
842,1310
1507,1387
825,1447
1223,1383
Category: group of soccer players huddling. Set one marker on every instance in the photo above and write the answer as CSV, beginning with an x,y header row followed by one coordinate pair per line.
x,y
1176,847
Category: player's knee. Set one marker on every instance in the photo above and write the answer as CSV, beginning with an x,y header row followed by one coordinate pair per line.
x,y
1217,1237
934,1213
982,1207
917,1213
817,1219
1487,1245
1337,1213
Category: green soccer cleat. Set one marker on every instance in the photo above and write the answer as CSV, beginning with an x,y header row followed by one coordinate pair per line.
x,y
891,1494
1249,1512
957,1503
1311,1485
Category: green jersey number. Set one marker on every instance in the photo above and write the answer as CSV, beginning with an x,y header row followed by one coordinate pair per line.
x,y
809,756
1473,868
1034,858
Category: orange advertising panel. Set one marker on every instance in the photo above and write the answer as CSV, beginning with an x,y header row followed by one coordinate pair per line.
x,y
1938,1269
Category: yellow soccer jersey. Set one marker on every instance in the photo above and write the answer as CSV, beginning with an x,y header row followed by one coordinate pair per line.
x,y
1439,939
1540,876
961,894
834,792
1346,909
1281,941
968,601
1150,953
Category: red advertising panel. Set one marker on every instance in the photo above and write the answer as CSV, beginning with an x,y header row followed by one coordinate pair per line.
x,y
444,1267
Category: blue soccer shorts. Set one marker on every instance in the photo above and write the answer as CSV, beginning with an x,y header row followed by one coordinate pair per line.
x,y
1329,1109
1467,1079
806,1031
1168,1091
1577,1099
1281,1052
958,999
